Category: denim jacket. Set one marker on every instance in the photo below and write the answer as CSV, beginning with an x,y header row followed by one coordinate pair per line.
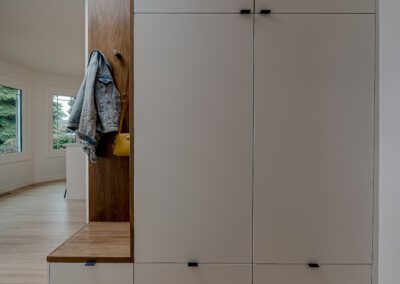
x,y
98,105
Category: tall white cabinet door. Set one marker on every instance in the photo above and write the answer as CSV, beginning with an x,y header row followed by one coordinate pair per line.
x,y
316,6
193,138
302,274
204,274
314,138
192,6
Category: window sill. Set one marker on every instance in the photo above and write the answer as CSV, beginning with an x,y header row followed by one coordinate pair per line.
x,y
61,153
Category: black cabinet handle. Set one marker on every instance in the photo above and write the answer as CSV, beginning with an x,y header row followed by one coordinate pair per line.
x,y
313,265
245,11
265,12
193,264
90,263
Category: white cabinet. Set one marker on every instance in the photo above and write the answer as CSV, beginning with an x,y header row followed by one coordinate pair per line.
x,y
192,6
301,274
76,172
204,274
101,273
314,138
193,138
316,6
289,177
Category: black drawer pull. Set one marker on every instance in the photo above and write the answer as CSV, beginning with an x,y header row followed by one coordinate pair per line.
x,y
313,265
245,11
193,264
265,12
90,263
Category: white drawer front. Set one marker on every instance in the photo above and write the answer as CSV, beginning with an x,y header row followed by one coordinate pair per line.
x,y
316,6
101,273
302,274
181,274
191,6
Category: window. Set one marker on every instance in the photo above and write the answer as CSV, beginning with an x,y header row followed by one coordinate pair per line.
x,y
58,106
61,106
10,120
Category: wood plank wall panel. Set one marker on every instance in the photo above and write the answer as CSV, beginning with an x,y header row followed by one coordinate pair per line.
x,y
109,27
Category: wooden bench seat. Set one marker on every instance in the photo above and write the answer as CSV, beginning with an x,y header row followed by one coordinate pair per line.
x,y
101,242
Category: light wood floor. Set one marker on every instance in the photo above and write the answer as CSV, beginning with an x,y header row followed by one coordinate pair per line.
x,y
33,222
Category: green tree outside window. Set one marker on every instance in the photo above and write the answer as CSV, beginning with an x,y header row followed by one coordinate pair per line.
x,y
62,136
10,120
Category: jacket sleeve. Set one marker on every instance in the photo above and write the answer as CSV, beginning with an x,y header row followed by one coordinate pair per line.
x,y
88,115
74,119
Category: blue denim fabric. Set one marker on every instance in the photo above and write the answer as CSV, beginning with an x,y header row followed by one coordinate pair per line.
x,y
98,104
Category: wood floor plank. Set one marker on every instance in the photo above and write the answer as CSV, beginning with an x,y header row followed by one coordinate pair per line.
x,y
33,222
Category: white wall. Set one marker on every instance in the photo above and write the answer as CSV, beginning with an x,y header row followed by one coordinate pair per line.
x,y
47,168
38,167
389,162
13,175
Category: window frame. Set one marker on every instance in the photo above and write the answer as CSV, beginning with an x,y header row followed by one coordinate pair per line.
x,y
49,93
24,155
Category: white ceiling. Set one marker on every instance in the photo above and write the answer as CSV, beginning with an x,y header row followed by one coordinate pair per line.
x,y
44,35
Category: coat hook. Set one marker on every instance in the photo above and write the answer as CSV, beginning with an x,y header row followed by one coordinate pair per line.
x,y
116,53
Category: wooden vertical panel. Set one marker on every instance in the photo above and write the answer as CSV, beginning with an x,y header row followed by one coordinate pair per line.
x,y
109,27
131,130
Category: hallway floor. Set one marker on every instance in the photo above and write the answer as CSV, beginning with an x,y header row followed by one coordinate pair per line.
x,y
33,222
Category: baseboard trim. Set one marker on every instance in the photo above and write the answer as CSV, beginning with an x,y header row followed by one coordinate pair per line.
x,y
49,178
15,186
18,185
4,194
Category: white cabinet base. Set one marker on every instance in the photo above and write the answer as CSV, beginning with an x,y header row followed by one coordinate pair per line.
x,y
101,273
182,274
302,274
